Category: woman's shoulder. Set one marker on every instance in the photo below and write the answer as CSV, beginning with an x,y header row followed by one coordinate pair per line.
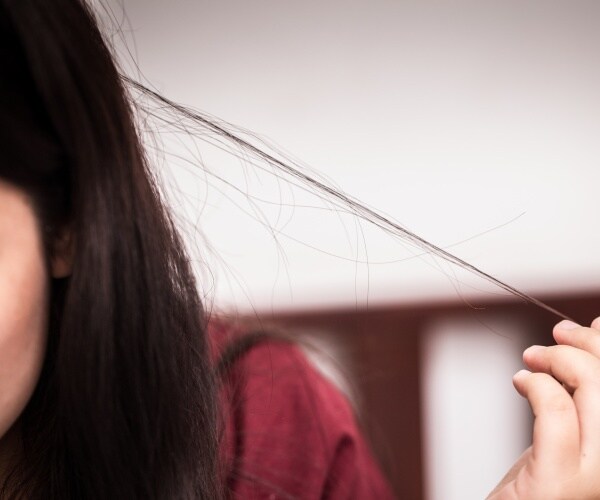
x,y
290,433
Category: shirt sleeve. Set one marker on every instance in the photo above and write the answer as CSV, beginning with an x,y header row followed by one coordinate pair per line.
x,y
291,434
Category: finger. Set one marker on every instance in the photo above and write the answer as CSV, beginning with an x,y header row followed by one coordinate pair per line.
x,y
556,426
588,339
596,323
570,365
580,371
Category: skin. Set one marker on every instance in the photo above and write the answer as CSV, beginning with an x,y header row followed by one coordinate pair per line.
x,y
562,386
24,295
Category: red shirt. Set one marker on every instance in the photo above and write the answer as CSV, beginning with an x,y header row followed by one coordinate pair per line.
x,y
290,433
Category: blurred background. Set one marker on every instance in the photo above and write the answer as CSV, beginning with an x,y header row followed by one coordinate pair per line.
x,y
473,124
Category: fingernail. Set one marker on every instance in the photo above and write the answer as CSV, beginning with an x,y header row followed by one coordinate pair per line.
x,y
533,349
565,324
520,374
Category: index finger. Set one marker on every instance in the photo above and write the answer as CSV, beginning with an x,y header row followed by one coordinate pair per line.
x,y
556,435
580,371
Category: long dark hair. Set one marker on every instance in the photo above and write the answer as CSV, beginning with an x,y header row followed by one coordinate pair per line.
x,y
126,403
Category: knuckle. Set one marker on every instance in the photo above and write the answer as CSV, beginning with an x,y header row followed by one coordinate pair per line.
x,y
557,354
594,373
588,334
558,404
561,349
592,341
551,399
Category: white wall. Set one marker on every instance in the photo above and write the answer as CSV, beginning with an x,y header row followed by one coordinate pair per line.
x,y
452,117
475,424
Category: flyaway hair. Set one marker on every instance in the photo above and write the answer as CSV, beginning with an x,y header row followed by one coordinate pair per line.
x,y
213,130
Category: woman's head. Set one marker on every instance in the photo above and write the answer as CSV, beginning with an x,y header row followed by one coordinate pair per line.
x,y
103,357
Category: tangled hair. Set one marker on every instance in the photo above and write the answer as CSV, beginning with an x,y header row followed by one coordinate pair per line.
x,y
126,403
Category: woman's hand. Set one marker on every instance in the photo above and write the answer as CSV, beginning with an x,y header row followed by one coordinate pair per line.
x,y
563,389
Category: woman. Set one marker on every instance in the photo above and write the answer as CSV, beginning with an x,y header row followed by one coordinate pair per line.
x,y
112,380
110,383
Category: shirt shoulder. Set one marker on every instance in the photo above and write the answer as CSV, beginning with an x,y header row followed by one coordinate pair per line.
x,y
290,433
